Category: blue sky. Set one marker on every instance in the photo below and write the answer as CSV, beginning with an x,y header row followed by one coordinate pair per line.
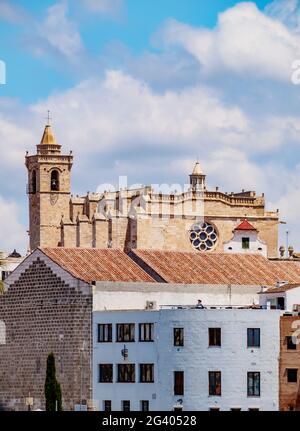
x,y
31,78
143,88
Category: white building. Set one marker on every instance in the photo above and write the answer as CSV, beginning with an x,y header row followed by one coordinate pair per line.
x,y
191,359
284,296
138,296
8,263
245,240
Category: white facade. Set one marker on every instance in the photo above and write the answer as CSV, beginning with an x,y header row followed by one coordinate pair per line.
x,y
136,296
255,244
8,263
290,299
196,359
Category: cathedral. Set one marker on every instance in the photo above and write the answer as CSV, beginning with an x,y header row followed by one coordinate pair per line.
x,y
196,220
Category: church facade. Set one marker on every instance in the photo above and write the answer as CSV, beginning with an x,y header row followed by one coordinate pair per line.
x,y
197,219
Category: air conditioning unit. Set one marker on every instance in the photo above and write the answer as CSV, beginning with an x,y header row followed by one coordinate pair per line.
x,y
150,305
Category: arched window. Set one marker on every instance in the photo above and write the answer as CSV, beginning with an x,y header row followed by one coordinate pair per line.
x,y
33,182
54,181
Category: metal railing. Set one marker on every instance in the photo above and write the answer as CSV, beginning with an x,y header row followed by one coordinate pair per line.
x,y
212,307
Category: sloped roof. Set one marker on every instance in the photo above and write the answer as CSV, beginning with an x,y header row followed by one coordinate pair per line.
x,y
90,264
281,289
48,136
245,225
197,169
215,268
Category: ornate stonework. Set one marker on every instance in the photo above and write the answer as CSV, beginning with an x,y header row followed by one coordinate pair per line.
x,y
135,219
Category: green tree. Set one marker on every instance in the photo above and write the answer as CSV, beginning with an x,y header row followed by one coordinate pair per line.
x,y
52,387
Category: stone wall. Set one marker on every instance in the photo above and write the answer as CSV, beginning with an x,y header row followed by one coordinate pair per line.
x,y
45,310
288,392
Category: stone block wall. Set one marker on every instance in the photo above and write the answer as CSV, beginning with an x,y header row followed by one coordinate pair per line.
x,y
45,310
289,397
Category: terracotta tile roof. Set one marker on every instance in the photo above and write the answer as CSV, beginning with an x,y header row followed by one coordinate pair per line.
x,y
97,265
281,289
245,225
215,268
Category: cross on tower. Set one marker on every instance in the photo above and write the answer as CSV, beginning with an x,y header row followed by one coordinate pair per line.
x,y
48,118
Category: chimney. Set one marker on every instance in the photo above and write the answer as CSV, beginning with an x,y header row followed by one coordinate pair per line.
x,y
281,283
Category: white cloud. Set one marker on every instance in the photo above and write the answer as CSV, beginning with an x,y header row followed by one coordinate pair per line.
x,y
120,125
14,141
61,33
12,233
286,11
11,12
120,111
245,41
104,6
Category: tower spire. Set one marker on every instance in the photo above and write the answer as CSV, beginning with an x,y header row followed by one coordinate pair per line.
x,y
197,178
48,144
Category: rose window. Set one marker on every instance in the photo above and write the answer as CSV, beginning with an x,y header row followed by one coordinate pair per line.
x,y
203,236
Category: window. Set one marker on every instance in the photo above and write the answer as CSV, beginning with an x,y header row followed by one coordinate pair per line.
x,y
146,332
126,373
146,373
54,181
178,409
105,333
253,384
253,409
290,345
125,406
245,243
292,375
178,383
125,332
214,336
236,409
107,406
214,378
280,303
253,337
105,373
203,236
33,182
5,274
144,406
214,409
178,337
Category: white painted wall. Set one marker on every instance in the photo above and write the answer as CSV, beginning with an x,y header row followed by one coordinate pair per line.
x,y
8,264
255,243
233,359
120,296
292,297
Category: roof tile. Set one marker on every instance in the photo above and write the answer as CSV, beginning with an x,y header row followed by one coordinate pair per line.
x,y
97,264
217,268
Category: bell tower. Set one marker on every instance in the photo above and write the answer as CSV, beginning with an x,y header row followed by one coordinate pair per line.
x,y
48,189
197,178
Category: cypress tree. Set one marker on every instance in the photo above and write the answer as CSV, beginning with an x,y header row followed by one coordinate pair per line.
x,y
52,387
